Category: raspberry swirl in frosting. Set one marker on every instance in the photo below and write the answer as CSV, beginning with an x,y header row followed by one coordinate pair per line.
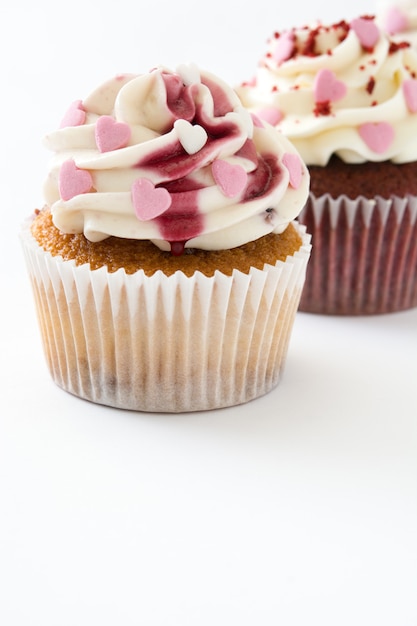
x,y
174,158
347,89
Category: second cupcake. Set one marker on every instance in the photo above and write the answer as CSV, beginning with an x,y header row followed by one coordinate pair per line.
x,y
346,96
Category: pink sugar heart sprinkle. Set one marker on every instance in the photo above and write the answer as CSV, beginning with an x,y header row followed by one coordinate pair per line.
x,y
327,88
410,94
366,31
257,121
377,136
251,82
395,21
272,115
295,168
284,47
73,181
111,135
75,115
149,201
230,178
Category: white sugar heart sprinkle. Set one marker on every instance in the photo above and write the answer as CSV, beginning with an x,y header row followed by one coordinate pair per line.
x,y
149,201
230,178
247,119
111,135
189,73
73,181
192,138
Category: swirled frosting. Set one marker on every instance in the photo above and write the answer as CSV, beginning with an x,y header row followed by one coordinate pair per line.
x,y
347,89
174,158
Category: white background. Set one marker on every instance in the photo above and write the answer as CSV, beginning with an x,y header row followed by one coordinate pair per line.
x,y
297,509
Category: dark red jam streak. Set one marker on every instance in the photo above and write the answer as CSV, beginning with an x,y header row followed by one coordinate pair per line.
x,y
183,221
180,99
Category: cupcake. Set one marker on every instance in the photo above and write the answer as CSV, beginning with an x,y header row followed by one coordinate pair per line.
x,y
346,97
166,262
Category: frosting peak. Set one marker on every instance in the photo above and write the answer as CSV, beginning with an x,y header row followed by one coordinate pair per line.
x,y
346,89
175,158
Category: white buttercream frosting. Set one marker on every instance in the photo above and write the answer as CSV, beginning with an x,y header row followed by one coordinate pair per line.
x,y
171,157
346,89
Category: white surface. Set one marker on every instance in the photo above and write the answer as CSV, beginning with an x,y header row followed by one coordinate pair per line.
x,y
297,509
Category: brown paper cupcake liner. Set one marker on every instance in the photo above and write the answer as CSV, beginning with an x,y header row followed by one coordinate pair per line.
x,y
166,344
364,257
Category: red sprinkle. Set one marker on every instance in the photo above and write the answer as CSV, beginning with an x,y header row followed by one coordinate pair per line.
x,y
309,47
322,108
371,85
410,71
395,46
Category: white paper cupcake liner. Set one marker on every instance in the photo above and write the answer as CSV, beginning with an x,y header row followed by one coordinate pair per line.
x,y
165,344
364,257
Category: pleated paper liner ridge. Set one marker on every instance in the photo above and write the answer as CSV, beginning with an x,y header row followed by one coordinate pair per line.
x,y
364,257
165,344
